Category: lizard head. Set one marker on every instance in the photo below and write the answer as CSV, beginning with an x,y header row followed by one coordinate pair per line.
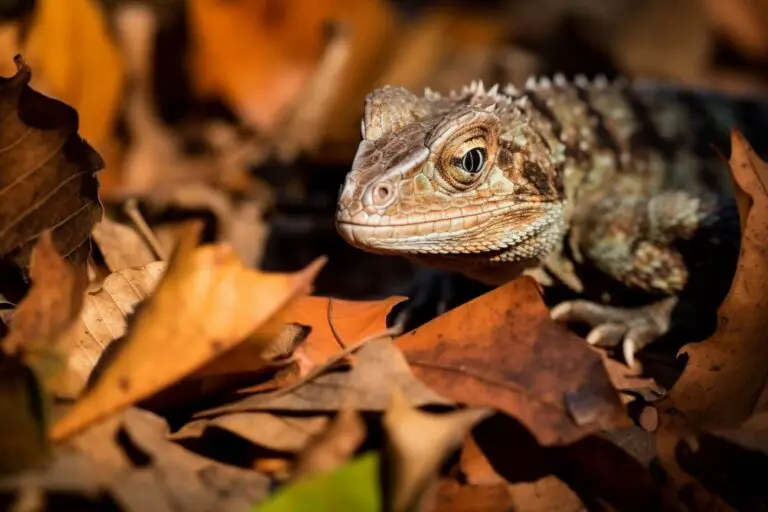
x,y
466,178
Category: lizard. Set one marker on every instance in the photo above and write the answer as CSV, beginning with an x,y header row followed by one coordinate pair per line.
x,y
546,179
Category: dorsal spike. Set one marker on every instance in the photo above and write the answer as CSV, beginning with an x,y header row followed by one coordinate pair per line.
x,y
511,90
581,80
545,83
530,83
560,80
493,91
601,81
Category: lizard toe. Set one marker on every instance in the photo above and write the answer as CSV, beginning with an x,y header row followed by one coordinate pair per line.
x,y
630,328
608,334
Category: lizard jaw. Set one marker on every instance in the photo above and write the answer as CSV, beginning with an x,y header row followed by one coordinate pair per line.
x,y
491,235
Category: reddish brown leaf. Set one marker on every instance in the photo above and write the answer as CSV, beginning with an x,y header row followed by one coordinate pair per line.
x,y
725,374
502,350
47,173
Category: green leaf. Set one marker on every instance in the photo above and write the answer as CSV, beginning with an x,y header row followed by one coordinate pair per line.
x,y
354,486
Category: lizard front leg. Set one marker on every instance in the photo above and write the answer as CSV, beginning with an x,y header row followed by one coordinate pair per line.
x,y
640,242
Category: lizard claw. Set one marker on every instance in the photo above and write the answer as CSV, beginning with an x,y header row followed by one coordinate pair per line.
x,y
633,328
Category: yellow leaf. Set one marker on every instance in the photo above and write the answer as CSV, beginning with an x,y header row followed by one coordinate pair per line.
x,y
206,303
76,62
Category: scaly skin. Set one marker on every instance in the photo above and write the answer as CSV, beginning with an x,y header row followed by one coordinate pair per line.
x,y
559,174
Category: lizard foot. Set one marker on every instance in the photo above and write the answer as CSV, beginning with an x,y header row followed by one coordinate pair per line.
x,y
612,326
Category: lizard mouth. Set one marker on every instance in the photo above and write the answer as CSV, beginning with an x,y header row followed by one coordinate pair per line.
x,y
483,232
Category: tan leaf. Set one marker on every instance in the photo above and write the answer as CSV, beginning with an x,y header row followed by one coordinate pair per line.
x,y
276,432
122,246
418,444
104,318
206,303
47,174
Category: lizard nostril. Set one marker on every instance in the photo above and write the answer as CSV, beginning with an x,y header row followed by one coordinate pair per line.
x,y
382,193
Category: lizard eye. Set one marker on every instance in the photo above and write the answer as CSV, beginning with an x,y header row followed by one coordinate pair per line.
x,y
473,160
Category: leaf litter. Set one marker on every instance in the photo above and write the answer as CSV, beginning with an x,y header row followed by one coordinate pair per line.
x,y
490,406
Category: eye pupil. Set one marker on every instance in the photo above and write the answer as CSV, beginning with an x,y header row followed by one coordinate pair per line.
x,y
473,160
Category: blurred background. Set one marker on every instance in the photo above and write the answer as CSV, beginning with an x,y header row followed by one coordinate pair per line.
x,y
246,113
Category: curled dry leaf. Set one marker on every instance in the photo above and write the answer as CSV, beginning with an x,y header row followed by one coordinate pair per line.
x,y
722,381
47,174
502,350
206,303
417,444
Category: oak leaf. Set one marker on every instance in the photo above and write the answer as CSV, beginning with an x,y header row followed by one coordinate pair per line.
x,y
502,350
47,173
206,303
121,246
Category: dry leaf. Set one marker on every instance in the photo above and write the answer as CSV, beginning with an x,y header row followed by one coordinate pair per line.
x,y
418,444
121,246
104,319
259,55
502,350
70,48
206,303
43,322
453,496
128,458
276,432
725,374
352,320
377,362
47,174
334,446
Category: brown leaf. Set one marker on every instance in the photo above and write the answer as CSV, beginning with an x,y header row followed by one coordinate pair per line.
x,y
418,444
725,374
593,467
361,387
502,350
334,446
276,432
121,246
206,303
47,174
452,496
46,315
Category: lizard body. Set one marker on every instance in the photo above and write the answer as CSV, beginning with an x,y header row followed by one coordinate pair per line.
x,y
558,174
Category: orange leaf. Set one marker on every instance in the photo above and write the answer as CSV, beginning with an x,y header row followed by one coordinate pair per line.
x,y
76,61
206,303
502,350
